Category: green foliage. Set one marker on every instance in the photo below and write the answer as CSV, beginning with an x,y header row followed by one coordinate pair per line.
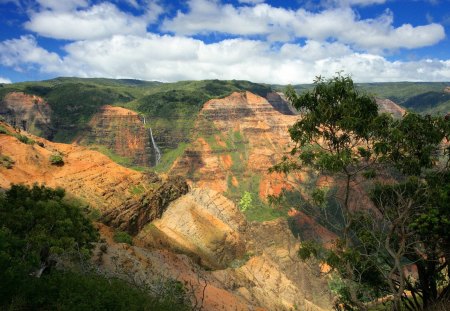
x,y
342,134
412,143
6,161
71,291
123,237
56,159
38,228
429,102
336,116
3,130
246,201
24,139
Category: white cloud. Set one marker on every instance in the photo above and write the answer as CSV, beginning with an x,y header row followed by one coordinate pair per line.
x,y
60,20
341,24
5,80
172,58
24,53
251,1
355,2
66,5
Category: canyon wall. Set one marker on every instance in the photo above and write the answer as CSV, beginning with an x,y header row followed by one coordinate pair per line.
x,y
27,112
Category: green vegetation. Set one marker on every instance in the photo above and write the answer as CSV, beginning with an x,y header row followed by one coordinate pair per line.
x,y
123,237
56,159
169,157
124,161
45,243
3,130
70,291
137,190
24,139
341,134
6,161
246,201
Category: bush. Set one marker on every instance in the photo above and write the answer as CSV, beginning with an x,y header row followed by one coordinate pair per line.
x,y
24,139
123,237
69,291
3,130
6,161
56,159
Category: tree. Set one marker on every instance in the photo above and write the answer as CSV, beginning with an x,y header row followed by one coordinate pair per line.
x,y
341,133
38,228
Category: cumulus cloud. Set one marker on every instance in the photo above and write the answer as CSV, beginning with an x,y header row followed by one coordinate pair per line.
x,y
251,1
341,24
5,80
25,53
62,20
173,58
355,2
66,5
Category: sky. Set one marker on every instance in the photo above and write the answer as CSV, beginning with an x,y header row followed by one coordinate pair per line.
x,y
272,41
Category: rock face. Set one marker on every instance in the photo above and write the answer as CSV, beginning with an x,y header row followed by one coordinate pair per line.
x,y
387,105
238,138
280,103
122,131
203,224
133,216
27,112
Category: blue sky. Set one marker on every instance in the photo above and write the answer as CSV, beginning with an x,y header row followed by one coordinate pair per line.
x,y
262,41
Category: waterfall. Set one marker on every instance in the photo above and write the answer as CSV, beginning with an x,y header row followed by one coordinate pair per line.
x,y
155,146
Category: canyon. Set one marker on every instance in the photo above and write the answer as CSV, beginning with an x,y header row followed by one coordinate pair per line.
x,y
185,220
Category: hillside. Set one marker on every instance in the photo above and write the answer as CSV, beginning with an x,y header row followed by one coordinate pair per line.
x,y
422,97
257,271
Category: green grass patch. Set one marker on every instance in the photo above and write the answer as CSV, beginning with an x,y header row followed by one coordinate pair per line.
x,y
122,237
169,157
112,155
137,190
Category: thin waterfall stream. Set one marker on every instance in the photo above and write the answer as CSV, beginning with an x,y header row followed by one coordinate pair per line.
x,y
155,146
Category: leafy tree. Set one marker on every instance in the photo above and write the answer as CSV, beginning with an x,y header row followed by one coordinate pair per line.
x,y
341,133
38,228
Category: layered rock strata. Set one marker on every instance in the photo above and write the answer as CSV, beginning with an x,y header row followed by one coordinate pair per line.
x,y
88,175
27,112
203,224
122,131
237,136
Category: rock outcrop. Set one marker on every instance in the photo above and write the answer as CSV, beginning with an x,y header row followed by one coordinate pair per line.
x,y
122,131
387,105
203,224
27,112
280,103
237,139
133,216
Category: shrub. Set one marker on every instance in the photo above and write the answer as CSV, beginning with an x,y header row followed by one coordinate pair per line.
x,y
3,130
123,237
56,159
246,201
6,161
24,139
